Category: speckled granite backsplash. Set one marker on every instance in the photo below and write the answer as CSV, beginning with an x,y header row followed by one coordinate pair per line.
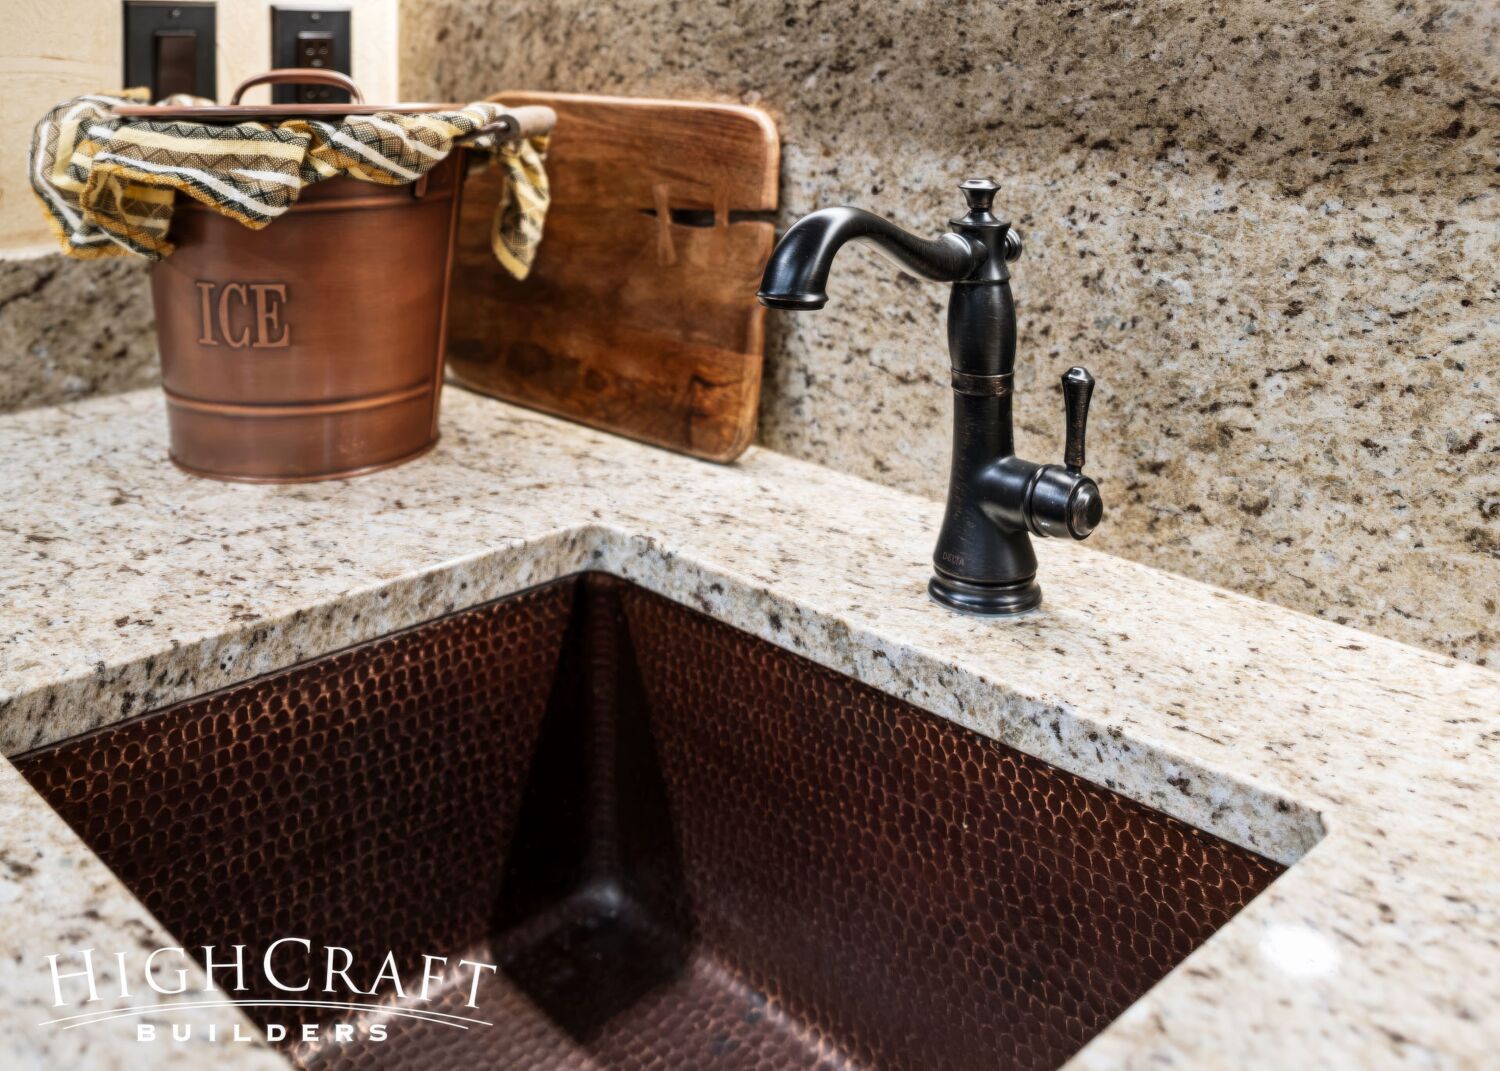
x,y
1269,228
70,329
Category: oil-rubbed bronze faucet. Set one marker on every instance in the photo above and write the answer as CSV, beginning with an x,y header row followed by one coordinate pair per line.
x,y
984,563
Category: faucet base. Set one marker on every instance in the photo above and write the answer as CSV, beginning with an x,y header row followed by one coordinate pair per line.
x,y
985,600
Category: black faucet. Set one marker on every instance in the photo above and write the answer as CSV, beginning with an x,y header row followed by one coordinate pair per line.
x,y
984,563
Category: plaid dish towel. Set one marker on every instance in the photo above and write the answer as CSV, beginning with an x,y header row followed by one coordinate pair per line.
x,y
108,184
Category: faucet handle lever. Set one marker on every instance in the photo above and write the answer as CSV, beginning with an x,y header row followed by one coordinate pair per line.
x,y
1078,387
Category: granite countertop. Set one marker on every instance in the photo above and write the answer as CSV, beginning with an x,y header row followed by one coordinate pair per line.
x,y
1367,765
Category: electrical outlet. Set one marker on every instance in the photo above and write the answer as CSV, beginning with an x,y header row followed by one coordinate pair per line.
x,y
311,37
170,47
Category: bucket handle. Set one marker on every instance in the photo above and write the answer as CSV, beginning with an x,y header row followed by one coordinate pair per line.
x,y
283,75
512,124
528,121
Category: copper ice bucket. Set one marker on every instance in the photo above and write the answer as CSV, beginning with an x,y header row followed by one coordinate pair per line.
x,y
312,349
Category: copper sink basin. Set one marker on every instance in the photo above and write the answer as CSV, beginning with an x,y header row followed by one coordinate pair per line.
x,y
679,846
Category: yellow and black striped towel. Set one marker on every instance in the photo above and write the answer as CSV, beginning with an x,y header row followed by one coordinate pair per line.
x,y
108,183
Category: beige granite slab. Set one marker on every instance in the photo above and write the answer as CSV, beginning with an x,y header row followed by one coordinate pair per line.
x,y
1270,228
71,329
1368,765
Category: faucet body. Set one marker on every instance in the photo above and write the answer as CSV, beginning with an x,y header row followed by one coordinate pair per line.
x,y
984,562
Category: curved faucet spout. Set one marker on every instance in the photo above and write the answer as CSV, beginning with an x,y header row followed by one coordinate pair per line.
x,y
797,275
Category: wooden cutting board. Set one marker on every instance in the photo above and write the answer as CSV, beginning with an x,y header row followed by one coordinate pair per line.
x,y
639,315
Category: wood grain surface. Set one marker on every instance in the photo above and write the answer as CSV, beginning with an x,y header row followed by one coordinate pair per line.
x,y
639,316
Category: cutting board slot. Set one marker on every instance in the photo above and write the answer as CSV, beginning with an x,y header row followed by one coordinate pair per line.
x,y
704,217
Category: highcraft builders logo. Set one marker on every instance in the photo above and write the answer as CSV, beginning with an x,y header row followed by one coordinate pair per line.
x,y
309,982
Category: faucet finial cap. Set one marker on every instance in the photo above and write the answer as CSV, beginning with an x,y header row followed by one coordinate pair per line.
x,y
980,193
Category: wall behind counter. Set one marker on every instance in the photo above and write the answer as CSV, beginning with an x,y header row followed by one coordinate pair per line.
x,y
1269,228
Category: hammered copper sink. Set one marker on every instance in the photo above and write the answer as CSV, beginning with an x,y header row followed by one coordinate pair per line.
x,y
683,846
